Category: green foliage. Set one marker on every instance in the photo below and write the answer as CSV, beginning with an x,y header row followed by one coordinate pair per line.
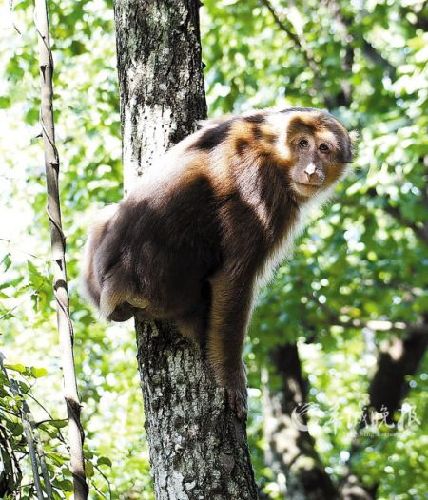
x,y
361,260
16,388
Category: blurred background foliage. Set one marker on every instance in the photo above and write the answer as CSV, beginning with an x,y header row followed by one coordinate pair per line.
x,y
356,284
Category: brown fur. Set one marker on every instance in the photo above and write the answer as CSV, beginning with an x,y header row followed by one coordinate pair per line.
x,y
190,243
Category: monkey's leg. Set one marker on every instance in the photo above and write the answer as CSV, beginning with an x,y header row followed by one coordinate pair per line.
x,y
91,286
230,309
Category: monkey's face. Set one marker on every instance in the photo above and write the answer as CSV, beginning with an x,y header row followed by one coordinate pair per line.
x,y
320,148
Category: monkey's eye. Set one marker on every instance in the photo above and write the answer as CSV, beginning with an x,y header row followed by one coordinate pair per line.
x,y
324,148
303,144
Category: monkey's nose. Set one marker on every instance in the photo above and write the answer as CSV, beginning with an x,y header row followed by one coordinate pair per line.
x,y
310,170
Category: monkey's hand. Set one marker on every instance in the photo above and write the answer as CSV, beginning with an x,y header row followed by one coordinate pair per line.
x,y
236,394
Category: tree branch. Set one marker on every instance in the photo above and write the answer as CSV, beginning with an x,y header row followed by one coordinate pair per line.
x,y
344,97
60,285
421,231
348,29
421,21
377,58
398,358
300,44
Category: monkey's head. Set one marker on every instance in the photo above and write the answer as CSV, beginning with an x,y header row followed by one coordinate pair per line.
x,y
318,149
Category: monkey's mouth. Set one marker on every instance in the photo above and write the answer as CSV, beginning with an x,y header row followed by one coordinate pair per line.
x,y
306,188
310,184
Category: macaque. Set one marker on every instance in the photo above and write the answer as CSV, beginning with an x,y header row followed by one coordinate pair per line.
x,y
207,226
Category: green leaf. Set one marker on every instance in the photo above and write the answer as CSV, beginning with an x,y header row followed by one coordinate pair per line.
x,y
59,424
4,102
16,367
38,372
104,461
77,47
89,468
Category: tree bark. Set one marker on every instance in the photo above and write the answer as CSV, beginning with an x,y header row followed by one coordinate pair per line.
x,y
290,451
398,358
197,447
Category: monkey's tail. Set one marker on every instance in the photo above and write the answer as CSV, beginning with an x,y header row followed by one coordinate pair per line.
x,y
90,285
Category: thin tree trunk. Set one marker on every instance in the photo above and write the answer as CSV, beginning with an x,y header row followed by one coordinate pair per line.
x,y
60,286
290,450
398,358
197,447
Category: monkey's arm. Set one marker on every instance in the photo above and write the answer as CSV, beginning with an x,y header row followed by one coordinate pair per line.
x,y
231,298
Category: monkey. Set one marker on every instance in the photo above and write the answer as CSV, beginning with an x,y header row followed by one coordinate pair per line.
x,y
209,224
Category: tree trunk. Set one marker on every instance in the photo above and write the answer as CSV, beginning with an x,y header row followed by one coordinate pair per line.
x,y
197,447
398,358
290,450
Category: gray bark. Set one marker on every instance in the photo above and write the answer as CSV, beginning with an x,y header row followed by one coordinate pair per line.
x,y
197,447
291,450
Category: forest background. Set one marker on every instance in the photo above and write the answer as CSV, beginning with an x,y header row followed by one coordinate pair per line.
x,y
354,297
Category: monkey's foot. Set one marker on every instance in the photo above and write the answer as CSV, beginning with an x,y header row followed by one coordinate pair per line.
x,y
122,312
237,400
